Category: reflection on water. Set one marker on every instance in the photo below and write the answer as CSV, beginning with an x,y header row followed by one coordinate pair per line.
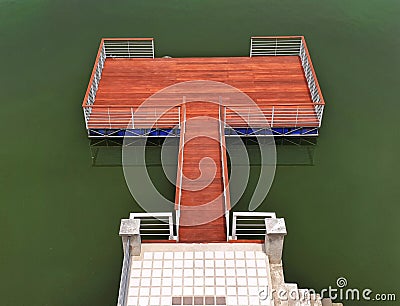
x,y
291,151
108,152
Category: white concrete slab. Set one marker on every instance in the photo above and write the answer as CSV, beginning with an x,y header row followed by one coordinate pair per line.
x,y
165,274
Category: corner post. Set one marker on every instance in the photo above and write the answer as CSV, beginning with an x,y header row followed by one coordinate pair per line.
x,y
274,236
130,231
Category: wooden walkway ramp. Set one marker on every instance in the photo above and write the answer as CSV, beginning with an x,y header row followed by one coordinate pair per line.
x,y
202,201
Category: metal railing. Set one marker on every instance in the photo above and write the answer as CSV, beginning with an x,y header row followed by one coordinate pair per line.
x,y
180,170
309,75
250,225
129,48
289,46
223,169
114,48
123,286
155,225
275,46
288,115
131,117
312,82
91,91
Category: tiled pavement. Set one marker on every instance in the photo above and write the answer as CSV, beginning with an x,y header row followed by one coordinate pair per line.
x,y
199,274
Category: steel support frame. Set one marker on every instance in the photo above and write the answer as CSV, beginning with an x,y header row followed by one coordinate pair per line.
x,y
121,133
268,132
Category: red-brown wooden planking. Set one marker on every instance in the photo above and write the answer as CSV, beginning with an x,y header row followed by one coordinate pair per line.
x,y
202,209
268,80
129,81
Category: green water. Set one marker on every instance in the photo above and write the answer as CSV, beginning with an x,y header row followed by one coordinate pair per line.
x,y
59,215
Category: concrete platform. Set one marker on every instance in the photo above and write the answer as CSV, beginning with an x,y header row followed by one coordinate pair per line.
x,y
198,274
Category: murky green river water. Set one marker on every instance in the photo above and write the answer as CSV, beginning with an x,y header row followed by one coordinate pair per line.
x,y
59,215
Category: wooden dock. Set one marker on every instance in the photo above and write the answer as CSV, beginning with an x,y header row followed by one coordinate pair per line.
x,y
275,83
277,76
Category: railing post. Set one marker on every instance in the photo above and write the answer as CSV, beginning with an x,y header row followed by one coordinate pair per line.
x,y
86,117
179,116
224,116
227,224
155,117
320,116
109,118
272,117
171,228
248,117
177,217
234,227
133,118
275,229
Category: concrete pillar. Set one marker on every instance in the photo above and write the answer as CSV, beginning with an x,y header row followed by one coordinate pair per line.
x,y
275,233
130,229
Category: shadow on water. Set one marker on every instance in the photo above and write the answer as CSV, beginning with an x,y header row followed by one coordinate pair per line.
x,y
291,151
108,152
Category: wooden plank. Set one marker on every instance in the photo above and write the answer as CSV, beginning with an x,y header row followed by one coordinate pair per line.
x,y
272,81
202,206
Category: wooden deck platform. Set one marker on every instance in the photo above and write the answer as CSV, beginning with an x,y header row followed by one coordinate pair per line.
x,y
276,83
267,80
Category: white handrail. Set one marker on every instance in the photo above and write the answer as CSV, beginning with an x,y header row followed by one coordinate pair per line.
x,y
251,228
123,286
127,117
129,48
94,85
163,225
221,134
300,116
183,130
312,86
274,46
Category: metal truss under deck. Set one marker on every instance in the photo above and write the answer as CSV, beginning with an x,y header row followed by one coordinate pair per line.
x,y
229,132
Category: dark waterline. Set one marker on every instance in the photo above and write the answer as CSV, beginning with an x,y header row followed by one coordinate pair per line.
x,y
59,215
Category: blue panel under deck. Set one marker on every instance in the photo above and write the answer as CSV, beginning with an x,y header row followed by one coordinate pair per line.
x,y
305,131
276,131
